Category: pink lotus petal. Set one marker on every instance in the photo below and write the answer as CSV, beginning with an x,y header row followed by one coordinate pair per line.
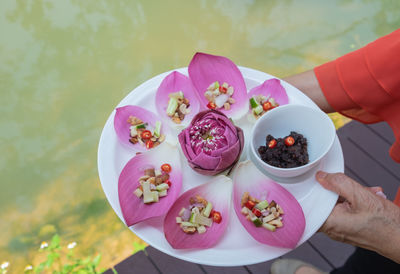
x,y
248,178
218,192
204,69
122,127
133,208
271,88
174,82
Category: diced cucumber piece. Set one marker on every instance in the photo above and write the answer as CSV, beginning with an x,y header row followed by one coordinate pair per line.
x,y
155,196
147,195
157,130
262,205
163,193
257,222
258,110
178,220
172,106
201,220
138,192
162,187
253,103
216,84
269,227
245,210
141,126
201,229
225,85
207,210
176,95
192,217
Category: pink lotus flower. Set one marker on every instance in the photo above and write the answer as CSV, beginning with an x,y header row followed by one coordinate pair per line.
x,y
211,143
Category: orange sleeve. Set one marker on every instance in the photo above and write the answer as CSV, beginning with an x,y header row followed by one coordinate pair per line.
x,y
365,84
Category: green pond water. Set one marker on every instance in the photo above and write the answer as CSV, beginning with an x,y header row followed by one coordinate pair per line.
x,y
64,66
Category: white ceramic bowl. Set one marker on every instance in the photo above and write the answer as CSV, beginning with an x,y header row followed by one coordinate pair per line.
x,y
312,123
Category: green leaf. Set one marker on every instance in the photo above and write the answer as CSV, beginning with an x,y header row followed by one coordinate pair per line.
x,y
113,270
96,260
55,242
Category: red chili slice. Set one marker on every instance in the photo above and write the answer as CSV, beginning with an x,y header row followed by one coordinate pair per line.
x,y
272,143
149,144
216,217
166,168
223,89
289,141
146,134
267,106
250,204
256,212
211,105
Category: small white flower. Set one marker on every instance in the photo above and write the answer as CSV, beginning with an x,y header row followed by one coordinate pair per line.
x,y
4,265
28,267
44,245
71,245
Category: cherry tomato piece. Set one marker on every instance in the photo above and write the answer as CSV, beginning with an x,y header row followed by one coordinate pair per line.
x,y
267,106
146,134
216,216
166,168
149,144
250,204
256,212
211,105
272,143
289,141
168,183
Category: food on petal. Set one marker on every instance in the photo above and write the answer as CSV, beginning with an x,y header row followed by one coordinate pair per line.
x,y
255,192
261,104
290,151
200,216
140,133
154,184
139,128
197,216
177,100
211,143
219,96
178,107
219,84
149,184
267,96
261,212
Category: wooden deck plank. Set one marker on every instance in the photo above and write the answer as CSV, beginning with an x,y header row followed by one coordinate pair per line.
x,y
306,253
335,252
373,145
225,270
172,265
260,268
384,130
367,169
138,263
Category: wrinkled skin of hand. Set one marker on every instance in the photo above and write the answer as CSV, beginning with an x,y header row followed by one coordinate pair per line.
x,y
361,217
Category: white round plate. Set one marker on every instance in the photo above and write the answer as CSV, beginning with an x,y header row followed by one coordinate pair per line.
x,y
236,247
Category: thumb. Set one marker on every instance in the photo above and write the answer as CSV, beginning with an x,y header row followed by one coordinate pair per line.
x,y
340,184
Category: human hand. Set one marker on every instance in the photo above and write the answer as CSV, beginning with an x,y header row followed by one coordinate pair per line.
x,y
361,217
